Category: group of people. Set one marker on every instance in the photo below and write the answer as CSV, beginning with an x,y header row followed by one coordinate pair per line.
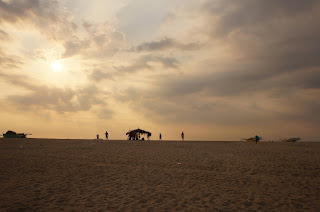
x,y
182,136
160,136
107,135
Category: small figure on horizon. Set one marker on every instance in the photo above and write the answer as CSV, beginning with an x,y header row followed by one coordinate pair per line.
x,y
182,136
107,135
97,136
160,137
257,139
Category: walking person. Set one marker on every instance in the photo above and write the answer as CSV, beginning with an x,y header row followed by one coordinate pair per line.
x,y
182,136
160,137
97,136
107,135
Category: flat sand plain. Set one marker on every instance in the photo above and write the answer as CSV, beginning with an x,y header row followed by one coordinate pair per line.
x,y
92,175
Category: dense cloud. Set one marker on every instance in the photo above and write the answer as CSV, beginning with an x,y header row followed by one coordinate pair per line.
x,y
142,64
145,63
283,34
57,99
98,75
165,44
42,97
100,41
223,101
270,72
14,11
9,61
228,16
57,24
52,20
4,35
272,64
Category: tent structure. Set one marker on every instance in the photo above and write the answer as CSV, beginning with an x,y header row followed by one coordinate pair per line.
x,y
12,134
135,134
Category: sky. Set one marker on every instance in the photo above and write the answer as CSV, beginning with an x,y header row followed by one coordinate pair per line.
x,y
215,69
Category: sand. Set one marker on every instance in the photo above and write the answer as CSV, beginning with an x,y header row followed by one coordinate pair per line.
x,y
79,175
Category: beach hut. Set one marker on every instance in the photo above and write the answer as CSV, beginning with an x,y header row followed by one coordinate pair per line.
x,y
136,134
12,134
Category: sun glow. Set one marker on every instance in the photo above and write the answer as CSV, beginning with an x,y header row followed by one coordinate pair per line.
x,y
56,66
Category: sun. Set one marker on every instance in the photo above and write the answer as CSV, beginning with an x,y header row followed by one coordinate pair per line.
x,y
56,66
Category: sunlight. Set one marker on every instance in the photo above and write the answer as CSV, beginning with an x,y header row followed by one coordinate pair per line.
x,y
56,66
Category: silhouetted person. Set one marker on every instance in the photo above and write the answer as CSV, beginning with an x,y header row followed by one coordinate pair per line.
x,y
160,137
97,136
107,135
182,136
257,139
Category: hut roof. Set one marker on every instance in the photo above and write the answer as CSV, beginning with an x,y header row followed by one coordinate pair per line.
x,y
132,132
9,132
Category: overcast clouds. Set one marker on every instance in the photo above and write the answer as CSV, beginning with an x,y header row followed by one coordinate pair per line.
x,y
237,67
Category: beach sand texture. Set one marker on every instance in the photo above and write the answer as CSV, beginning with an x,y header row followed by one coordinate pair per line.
x,y
79,175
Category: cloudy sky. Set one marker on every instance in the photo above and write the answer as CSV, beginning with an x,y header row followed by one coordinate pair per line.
x,y
215,69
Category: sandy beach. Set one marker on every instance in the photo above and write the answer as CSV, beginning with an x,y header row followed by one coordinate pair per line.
x,y
92,175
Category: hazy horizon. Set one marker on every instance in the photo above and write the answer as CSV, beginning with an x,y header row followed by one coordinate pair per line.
x,y
215,69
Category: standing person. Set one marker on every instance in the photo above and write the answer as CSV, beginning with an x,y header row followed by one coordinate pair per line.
x,y
107,135
257,139
97,136
160,137
182,136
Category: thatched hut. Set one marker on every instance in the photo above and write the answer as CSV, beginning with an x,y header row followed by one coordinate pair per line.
x,y
136,134
12,134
